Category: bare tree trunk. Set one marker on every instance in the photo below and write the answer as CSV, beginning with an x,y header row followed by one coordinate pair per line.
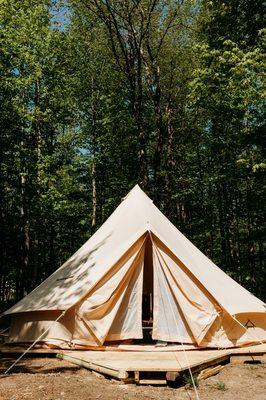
x,y
2,233
153,77
250,229
126,36
51,256
223,207
142,154
157,99
25,238
170,161
38,140
94,150
142,157
94,195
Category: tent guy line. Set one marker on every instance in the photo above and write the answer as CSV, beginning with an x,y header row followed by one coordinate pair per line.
x,y
33,344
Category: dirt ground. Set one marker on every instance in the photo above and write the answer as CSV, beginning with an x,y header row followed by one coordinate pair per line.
x,y
52,379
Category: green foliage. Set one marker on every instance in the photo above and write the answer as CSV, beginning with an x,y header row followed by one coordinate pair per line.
x,y
87,110
190,381
220,386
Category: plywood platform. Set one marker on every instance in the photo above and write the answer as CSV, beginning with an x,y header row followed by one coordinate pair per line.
x,y
140,365
255,349
13,351
168,361
250,354
129,365
126,365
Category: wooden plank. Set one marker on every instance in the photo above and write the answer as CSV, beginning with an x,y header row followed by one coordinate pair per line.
x,y
103,369
173,363
208,362
256,349
172,376
206,373
152,382
248,358
166,362
10,350
136,376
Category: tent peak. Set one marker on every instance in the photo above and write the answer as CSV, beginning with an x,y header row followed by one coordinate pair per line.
x,y
137,187
137,190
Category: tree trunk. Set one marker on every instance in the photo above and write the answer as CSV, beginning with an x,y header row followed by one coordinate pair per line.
x,y
51,259
94,195
38,140
157,99
170,162
2,232
142,155
94,152
25,238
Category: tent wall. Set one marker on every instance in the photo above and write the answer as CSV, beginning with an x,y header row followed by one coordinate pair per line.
x,y
183,310
188,311
227,332
112,310
137,250
27,327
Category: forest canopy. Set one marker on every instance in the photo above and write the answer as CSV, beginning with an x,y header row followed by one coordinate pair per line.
x,y
98,95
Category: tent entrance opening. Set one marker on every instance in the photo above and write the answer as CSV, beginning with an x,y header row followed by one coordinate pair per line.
x,y
147,294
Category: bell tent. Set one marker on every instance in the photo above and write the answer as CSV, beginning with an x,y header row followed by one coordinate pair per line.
x,y
138,270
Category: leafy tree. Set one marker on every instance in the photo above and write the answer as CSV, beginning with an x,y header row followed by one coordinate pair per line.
x,y
96,96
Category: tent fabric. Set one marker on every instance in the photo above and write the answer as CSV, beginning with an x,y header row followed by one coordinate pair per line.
x,y
120,290
27,327
138,250
183,294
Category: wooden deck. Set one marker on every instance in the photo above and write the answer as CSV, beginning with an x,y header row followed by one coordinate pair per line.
x,y
15,351
151,367
168,361
250,354
134,366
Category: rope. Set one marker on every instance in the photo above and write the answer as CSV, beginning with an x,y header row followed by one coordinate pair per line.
x,y
33,344
182,344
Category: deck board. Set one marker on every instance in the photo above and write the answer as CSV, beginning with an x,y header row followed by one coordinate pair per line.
x,y
178,361
257,349
168,361
125,364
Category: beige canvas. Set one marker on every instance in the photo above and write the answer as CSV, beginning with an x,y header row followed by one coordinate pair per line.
x,y
100,287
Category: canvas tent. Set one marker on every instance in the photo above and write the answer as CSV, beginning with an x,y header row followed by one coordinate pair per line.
x,y
102,287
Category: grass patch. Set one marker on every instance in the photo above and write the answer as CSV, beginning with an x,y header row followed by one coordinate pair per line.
x,y
188,381
220,386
